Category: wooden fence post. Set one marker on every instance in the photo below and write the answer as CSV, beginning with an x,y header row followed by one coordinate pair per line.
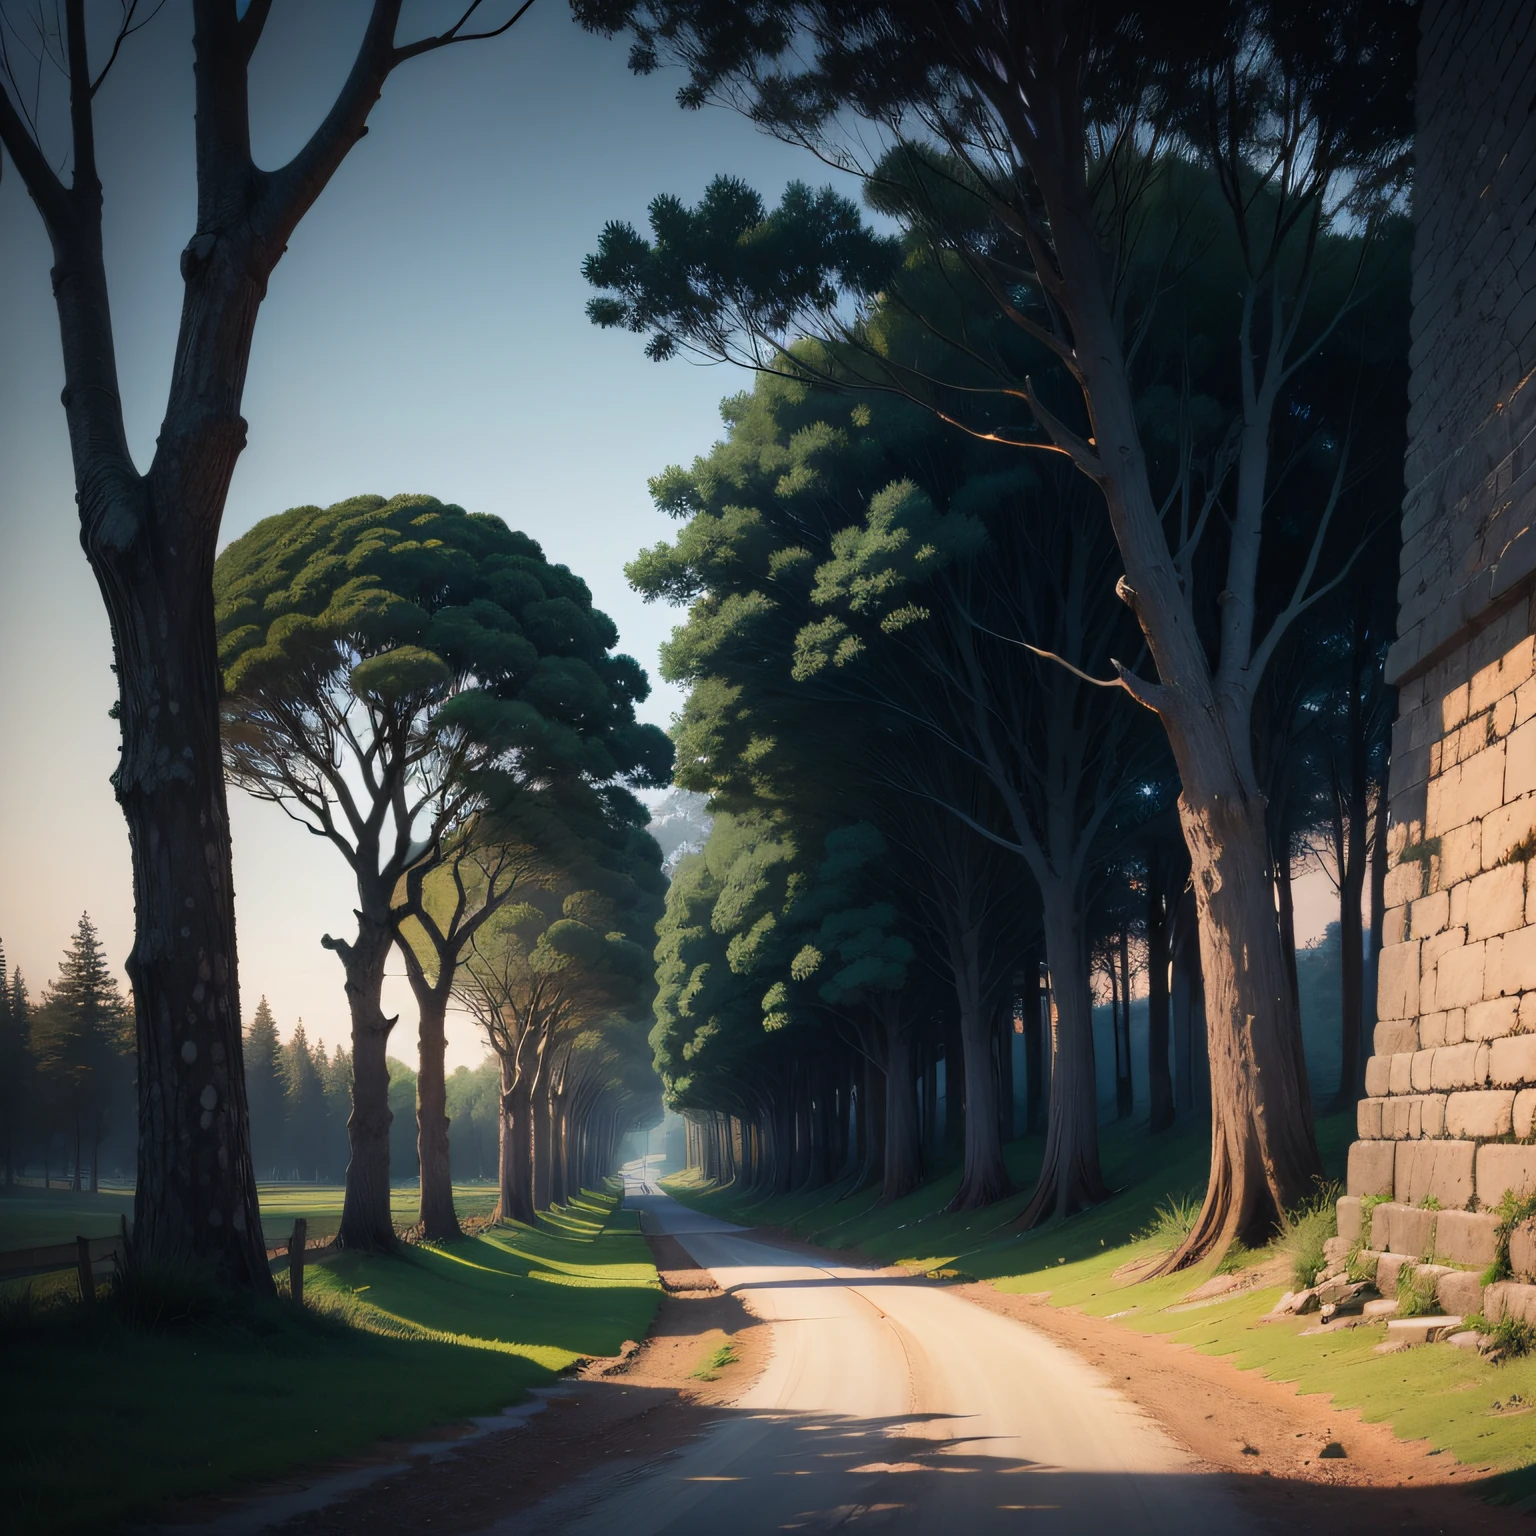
x,y
296,1260
83,1266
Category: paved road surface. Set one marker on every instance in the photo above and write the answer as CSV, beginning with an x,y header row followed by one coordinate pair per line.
x,y
891,1406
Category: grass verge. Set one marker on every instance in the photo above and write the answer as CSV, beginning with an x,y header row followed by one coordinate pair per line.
x,y
1450,1397
100,1422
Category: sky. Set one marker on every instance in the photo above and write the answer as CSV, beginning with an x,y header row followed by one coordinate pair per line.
x,y
424,333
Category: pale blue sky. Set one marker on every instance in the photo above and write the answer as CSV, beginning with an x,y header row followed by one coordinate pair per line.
x,y
424,333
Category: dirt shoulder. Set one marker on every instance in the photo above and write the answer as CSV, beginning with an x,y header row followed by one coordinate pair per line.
x,y
1264,1437
641,1404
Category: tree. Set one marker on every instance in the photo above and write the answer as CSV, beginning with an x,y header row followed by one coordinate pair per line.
x,y
264,1089
304,1104
542,970
82,1042
16,1063
390,665
150,537
1046,126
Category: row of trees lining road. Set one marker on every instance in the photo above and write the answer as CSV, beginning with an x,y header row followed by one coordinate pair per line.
x,y
66,1067
421,688
1164,250
150,536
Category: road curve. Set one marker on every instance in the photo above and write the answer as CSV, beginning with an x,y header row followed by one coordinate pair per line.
x,y
890,1405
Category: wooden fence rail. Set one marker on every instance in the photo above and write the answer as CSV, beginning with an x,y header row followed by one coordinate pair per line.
x,y
95,1257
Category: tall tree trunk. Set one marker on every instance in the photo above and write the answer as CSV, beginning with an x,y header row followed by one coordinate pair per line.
x,y
439,1220
75,1179
366,1223
1264,1157
1034,1053
1125,1086
542,1188
1070,1175
1159,1065
1351,903
985,1176
515,1196
1378,914
1285,910
1003,1043
903,1144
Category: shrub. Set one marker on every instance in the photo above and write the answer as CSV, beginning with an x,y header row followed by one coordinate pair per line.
x,y
1306,1228
1174,1219
1415,1293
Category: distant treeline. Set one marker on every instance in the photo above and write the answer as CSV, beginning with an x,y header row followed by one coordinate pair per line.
x,y
67,1068
300,1097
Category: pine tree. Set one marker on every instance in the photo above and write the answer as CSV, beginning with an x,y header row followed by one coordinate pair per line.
x,y
338,1104
304,1093
83,1038
15,1065
264,1089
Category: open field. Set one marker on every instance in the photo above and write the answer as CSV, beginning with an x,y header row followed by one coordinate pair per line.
x,y
100,1420
1438,1393
31,1216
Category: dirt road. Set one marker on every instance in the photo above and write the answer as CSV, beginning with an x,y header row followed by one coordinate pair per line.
x,y
891,1405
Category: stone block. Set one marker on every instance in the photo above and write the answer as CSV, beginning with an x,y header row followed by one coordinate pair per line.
x,y
1394,925
1460,856
1371,1168
1510,1298
1390,1267
1404,883
1460,1291
1429,914
1458,977
1432,1030
1348,1208
1456,1021
1480,1114
1525,709
1377,1076
1368,1119
1515,970
1486,687
1397,989
1506,828
1405,1230
1433,1107
1522,1250
1490,1019
1393,1035
1527,1024
1420,1330
1495,902
1524,1117
1400,1071
1512,1061
1504,715
1467,1237
1459,904
1442,1169
1458,1066
1503,1167
1482,785
1421,1071
1520,760
1453,707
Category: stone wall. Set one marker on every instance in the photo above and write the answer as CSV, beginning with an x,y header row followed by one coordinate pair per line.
x,y
1449,1121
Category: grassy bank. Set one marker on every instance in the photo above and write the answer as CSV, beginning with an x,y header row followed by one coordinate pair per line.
x,y
1436,1393
100,1420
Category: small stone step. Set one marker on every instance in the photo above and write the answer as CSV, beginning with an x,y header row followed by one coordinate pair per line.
x,y
1385,1306
1421,1330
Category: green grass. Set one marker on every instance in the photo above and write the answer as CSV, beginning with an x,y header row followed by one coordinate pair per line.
x,y
99,1423
715,1362
1437,1393
32,1217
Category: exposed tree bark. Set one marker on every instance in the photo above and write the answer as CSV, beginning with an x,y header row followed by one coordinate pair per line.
x,y
1159,1064
367,1225
1034,1055
1070,1175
